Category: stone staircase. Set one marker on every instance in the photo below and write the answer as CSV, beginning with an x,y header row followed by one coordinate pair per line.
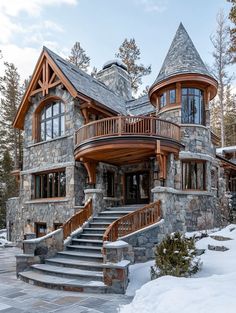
x,y
80,266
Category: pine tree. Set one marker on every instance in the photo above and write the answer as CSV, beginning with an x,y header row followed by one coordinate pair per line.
x,y
10,138
232,17
129,53
175,256
78,57
8,185
222,58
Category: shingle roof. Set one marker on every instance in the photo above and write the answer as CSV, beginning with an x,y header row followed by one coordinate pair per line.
x,y
87,85
140,106
181,58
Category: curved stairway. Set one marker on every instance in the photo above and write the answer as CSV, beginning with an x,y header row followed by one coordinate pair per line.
x,y
80,266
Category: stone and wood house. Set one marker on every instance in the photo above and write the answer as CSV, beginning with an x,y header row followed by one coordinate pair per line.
x,y
98,160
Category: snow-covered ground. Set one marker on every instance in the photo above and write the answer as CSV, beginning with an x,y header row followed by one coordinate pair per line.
x,y
3,238
212,290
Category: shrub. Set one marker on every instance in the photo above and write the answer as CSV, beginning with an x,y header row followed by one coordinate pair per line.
x,y
176,256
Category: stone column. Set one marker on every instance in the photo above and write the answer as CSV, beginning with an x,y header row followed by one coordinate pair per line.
x,y
170,177
97,198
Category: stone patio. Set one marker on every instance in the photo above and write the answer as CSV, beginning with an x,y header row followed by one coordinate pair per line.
x,y
19,297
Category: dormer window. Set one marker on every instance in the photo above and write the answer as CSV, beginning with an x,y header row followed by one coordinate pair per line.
x,y
52,121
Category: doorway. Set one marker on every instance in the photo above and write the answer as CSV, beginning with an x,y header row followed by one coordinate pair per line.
x,y
137,188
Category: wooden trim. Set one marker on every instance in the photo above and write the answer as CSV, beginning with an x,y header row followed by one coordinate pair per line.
x,y
91,169
205,80
25,103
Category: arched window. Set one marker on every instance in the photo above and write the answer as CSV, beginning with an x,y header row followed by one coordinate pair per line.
x,y
52,120
192,106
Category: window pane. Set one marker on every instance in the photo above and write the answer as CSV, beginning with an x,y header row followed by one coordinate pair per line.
x,y
49,111
172,96
50,185
163,100
62,125
42,128
62,107
184,113
48,129
62,184
56,108
55,127
193,174
43,114
56,176
37,187
110,184
44,186
184,91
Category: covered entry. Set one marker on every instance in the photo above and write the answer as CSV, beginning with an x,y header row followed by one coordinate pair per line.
x,y
137,187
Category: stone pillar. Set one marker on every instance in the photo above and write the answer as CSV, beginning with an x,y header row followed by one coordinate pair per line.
x,y
170,177
97,198
117,257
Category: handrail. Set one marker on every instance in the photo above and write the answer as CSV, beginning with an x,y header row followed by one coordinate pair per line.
x,y
77,219
134,221
127,125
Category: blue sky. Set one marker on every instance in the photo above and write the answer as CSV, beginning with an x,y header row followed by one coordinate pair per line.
x,y
101,26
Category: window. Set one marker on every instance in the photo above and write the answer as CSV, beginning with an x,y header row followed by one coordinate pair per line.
x,y
172,96
40,229
192,106
163,100
167,97
193,173
50,185
110,184
52,121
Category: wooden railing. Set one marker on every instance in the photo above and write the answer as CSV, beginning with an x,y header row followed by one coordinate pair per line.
x,y
134,221
77,219
127,125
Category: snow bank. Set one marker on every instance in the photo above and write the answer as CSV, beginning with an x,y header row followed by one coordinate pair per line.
x,y
3,238
212,290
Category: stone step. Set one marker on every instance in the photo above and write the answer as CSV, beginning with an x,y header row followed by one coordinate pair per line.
x,y
85,249
67,272
98,230
88,242
85,256
129,208
73,263
114,213
91,236
99,224
105,219
60,283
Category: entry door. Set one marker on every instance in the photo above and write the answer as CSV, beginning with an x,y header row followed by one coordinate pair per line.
x,y
137,188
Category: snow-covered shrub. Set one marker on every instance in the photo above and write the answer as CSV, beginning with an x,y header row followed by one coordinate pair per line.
x,y
176,256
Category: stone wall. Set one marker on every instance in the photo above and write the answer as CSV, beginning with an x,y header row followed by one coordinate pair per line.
x,y
144,241
197,138
173,115
14,219
187,210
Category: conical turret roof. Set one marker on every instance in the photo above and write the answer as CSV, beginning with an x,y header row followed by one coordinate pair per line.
x,y
181,58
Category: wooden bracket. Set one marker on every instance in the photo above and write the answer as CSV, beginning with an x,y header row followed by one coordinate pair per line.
x,y
91,169
161,159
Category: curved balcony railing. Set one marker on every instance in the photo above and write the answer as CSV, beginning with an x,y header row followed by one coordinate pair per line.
x,y
127,126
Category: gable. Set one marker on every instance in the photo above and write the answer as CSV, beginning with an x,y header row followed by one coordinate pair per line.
x,y
52,70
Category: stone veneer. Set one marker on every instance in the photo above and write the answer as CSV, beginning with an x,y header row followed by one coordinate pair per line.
x,y
46,156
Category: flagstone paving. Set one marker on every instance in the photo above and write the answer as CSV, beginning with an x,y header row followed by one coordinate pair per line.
x,y
19,297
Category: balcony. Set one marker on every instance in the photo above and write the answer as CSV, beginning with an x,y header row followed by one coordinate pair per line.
x,y
126,139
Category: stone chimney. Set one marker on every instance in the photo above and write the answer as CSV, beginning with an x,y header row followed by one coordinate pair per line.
x,y
115,76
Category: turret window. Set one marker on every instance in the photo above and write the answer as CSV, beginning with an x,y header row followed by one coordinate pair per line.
x,y
167,97
192,106
193,175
